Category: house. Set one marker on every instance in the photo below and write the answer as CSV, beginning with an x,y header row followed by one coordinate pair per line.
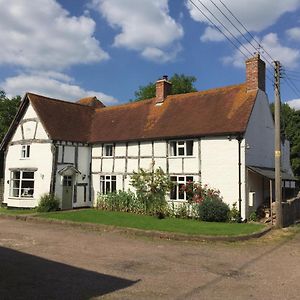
x,y
223,137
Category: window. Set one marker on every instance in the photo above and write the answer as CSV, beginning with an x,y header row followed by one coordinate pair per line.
x,y
22,184
67,180
108,150
177,192
108,184
25,151
181,148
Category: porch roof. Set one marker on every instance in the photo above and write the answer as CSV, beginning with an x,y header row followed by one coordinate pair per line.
x,y
270,173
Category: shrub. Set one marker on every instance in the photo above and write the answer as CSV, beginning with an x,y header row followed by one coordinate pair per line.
x,y
234,214
182,211
253,216
151,188
120,201
48,202
213,210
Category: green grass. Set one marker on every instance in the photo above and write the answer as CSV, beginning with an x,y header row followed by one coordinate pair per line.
x,y
152,223
16,211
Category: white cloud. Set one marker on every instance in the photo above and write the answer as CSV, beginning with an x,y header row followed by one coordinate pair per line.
x,y
54,85
145,26
289,57
256,15
294,104
40,34
294,33
212,35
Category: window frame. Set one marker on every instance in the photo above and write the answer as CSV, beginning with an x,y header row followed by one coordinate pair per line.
x,y
108,184
177,183
21,185
105,150
25,151
176,148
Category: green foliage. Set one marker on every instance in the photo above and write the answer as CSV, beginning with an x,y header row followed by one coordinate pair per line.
x,y
213,210
8,110
290,129
253,216
48,202
181,84
151,188
234,214
120,201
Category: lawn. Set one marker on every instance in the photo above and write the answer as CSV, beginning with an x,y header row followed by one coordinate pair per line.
x,y
152,223
19,211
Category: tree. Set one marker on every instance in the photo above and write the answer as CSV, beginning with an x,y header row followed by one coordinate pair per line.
x,y
8,109
181,84
290,129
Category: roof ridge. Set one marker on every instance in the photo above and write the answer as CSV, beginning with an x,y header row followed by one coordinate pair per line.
x,y
58,100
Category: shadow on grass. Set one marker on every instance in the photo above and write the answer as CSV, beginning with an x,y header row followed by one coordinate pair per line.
x,y
24,276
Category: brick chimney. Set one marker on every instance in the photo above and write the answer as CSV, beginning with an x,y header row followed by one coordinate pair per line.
x,y
163,89
255,73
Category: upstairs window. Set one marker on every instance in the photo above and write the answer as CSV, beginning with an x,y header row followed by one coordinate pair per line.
x,y
25,151
108,150
181,148
108,184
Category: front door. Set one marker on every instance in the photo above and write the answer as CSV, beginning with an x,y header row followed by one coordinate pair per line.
x,y
67,192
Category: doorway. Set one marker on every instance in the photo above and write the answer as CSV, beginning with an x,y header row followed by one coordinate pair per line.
x,y
67,192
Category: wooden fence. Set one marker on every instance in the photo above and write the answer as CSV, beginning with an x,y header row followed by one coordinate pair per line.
x,y
291,211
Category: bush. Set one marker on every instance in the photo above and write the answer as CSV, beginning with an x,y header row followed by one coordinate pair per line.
x,y
253,216
234,214
120,201
213,210
151,188
48,202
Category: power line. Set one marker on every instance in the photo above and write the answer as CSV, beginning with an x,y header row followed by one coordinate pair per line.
x,y
216,27
244,27
225,35
220,22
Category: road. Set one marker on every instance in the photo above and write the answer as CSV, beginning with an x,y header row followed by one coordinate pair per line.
x,y
51,261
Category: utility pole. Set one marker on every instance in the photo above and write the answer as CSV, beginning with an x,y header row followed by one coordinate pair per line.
x,y
278,189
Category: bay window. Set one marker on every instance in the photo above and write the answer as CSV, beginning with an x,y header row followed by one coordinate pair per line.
x,y
22,184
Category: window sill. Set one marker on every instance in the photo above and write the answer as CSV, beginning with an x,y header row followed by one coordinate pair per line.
x,y
183,156
25,158
21,198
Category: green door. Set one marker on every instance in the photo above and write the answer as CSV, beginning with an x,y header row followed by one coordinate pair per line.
x,y
67,192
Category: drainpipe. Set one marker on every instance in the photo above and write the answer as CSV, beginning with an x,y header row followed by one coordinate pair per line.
x,y
239,139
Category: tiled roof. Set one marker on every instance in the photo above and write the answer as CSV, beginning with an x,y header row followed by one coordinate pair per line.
x,y
207,113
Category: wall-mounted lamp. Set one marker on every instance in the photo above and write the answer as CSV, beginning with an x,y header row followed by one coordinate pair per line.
x,y
229,137
42,176
83,176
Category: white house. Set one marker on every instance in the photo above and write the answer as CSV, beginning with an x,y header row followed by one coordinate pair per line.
x,y
223,137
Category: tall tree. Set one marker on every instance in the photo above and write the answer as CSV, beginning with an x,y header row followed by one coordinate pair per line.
x,y
181,84
8,109
290,129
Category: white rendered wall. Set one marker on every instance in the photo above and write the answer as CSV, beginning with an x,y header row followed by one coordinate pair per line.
x,y
259,135
219,168
40,159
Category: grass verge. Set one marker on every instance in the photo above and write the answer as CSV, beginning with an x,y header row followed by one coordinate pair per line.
x,y
15,211
192,227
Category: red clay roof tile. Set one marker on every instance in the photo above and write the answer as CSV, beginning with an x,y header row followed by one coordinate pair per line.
x,y
207,113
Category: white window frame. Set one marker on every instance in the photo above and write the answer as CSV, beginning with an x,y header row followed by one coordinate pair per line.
x,y
108,184
178,146
180,180
25,151
108,148
23,192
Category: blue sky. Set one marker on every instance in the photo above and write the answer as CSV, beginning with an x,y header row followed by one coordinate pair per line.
x,y
71,49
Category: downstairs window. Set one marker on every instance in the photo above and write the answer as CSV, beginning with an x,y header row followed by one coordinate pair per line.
x,y
22,184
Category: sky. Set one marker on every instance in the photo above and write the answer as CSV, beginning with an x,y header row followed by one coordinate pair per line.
x,y
70,49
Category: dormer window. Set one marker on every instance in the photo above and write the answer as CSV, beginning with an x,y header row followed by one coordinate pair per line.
x,y
108,150
181,148
25,151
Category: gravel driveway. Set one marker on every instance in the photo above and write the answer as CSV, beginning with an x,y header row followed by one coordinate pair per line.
x,y
50,261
